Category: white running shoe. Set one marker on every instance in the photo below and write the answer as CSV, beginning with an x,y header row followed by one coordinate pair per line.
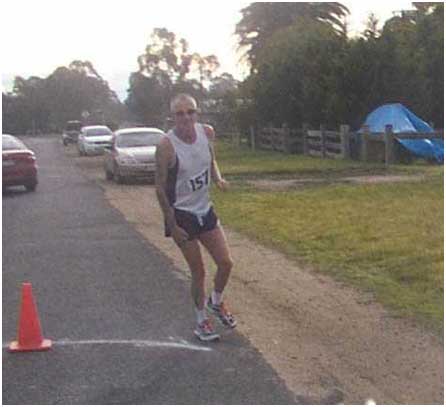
x,y
205,332
222,313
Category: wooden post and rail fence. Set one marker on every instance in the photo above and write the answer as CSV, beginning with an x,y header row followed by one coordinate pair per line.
x,y
388,138
326,143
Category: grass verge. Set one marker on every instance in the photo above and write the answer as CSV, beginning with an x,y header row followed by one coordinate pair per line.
x,y
246,164
383,238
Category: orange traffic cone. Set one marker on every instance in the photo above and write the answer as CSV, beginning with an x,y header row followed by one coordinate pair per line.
x,y
29,332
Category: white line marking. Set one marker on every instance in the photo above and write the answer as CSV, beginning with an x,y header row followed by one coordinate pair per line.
x,y
134,342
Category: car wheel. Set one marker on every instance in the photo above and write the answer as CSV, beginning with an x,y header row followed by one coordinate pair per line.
x,y
117,176
119,179
108,175
31,187
65,142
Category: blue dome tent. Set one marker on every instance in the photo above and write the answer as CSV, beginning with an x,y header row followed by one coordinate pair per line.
x,y
404,121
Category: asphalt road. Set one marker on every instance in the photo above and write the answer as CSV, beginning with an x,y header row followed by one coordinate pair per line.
x,y
119,314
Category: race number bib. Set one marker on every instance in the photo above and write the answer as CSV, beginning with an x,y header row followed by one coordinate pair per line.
x,y
199,181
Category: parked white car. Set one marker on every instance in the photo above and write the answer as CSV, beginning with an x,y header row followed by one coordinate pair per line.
x,y
132,153
93,139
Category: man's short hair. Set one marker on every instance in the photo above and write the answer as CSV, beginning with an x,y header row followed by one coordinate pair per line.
x,y
179,98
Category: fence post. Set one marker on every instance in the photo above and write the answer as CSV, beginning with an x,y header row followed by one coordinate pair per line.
x,y
252,137
364,142
345,141
305,128
323,141
236,138
271,137
286,138
389,140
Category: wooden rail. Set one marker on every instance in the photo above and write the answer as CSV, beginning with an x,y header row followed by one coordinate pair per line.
x,y
387,141
327,143
281,139
318,143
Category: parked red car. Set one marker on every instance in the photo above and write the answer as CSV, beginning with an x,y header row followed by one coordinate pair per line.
x,y
18,163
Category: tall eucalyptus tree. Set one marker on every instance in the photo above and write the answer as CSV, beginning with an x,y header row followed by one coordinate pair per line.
x,y
262,19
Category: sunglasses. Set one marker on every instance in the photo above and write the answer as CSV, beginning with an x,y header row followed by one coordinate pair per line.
x,y
182,113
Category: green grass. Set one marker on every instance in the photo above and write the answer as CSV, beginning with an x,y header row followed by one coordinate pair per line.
x,y
383,238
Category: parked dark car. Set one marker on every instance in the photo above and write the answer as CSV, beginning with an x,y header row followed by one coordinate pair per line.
x,y
19,165
71,132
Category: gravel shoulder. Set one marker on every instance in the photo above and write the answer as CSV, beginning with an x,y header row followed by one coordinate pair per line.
x,y
329,342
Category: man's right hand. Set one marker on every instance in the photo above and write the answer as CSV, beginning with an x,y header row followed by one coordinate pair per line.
x,y
179,235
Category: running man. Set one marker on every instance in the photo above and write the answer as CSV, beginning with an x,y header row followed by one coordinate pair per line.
x,y
186,164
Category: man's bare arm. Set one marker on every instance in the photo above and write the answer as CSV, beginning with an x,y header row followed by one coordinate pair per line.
x,y
162,168
164,156
215,170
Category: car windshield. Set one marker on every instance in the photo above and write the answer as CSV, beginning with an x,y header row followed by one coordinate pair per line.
x,y
9,143
99,131
138,139
73,126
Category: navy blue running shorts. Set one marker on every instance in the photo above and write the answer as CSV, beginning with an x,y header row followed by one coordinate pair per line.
x,y
194,225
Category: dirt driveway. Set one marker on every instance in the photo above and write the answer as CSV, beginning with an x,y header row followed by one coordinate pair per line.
x,y
329,343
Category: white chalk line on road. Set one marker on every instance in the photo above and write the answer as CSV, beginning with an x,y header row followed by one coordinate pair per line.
x,y
133,342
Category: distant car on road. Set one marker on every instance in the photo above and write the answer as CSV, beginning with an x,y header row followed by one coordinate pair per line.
x,y
132,153
19,165
71,132
93,139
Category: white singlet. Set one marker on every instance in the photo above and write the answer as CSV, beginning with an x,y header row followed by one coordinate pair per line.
x,y
189,180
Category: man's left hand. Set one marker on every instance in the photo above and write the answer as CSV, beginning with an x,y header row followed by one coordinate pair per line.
x,y
222,184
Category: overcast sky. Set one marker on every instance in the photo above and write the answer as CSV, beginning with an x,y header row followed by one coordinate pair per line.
x,y
40,35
